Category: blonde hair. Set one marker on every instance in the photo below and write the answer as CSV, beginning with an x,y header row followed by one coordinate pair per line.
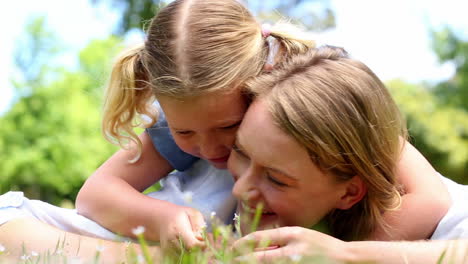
x,y
193,47
339,110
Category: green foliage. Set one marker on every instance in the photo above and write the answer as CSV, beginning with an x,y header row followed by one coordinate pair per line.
x,y
135,14
313,15
50,140
439,131
450,48
33,55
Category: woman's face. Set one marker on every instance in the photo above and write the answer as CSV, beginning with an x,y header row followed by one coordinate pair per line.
x,y
205,126
271,168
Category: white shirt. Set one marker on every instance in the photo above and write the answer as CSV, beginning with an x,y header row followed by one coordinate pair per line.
x,y
454,224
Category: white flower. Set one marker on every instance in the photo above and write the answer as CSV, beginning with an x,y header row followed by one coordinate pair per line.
x,y
24,257
140,259
138,230
2,248
295,257
187,196
34,254
213,214
236,217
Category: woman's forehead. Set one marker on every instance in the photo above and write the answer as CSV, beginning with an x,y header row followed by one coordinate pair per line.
x,y
265,142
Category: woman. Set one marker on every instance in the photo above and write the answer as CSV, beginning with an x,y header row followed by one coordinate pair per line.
x,y
331,137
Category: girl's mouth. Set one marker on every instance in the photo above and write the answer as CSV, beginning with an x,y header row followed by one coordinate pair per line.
x,y
220,160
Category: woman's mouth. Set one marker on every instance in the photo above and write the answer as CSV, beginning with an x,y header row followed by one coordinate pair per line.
x,y
251,210
267,219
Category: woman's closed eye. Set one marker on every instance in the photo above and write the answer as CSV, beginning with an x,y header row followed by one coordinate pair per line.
x,y
239,151
275,181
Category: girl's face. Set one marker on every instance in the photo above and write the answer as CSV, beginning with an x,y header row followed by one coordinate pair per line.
x,y
271,168
205,126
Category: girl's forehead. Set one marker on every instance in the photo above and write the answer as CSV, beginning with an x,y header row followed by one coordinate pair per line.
x,y
211,108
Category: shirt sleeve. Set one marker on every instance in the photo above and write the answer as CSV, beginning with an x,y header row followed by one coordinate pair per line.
x,y
164,142
454,225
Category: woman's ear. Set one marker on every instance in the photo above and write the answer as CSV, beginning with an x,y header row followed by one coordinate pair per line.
x,y
355,189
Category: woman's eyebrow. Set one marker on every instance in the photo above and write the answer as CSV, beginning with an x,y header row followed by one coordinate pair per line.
x,y
238,144
282,173
271,168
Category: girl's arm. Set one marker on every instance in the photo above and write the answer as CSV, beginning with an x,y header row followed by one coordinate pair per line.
x,y
425,202
30,238
113,197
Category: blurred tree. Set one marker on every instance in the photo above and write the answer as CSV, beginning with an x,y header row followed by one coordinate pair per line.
x,y
33,54
450,48
439,131
50,140
313,14
134,13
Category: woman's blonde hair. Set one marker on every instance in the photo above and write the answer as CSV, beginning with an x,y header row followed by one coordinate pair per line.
x,y
193,47
339,110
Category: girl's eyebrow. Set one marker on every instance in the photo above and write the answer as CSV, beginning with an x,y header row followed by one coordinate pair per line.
x,y
276,170
230,121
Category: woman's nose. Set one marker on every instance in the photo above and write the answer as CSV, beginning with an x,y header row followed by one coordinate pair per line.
x,y
245,188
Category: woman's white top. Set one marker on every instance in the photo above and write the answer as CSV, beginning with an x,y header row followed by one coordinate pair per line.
x,y
454,224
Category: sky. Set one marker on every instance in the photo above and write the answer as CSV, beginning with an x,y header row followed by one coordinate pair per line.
x,y
390,36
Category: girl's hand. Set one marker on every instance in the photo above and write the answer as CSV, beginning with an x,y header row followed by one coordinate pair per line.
x,y
181,227
289,242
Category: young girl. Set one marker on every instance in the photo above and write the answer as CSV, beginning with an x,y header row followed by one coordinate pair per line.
x,y
196,56
194,62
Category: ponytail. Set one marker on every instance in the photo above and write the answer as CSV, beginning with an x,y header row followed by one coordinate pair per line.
x,y
289,40
128,96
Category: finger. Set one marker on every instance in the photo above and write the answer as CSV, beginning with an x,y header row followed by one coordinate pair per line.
x,y
264,256
198,223
187,235
264,238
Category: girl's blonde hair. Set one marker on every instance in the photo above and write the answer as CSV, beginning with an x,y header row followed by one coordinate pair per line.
x,y
193,47
339,110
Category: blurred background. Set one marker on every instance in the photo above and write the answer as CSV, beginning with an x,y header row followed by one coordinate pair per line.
x,y
55,56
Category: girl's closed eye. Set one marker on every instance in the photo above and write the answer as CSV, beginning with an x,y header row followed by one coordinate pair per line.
x,y
235,125
183,132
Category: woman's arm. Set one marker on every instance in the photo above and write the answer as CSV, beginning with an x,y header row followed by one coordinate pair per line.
x,y
27,237
427,251
425,202
113,197
301,243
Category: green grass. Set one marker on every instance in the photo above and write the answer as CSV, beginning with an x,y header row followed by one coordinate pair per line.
x,y
218,250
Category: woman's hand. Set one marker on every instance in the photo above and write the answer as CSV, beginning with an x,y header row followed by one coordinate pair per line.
x,y
290,242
